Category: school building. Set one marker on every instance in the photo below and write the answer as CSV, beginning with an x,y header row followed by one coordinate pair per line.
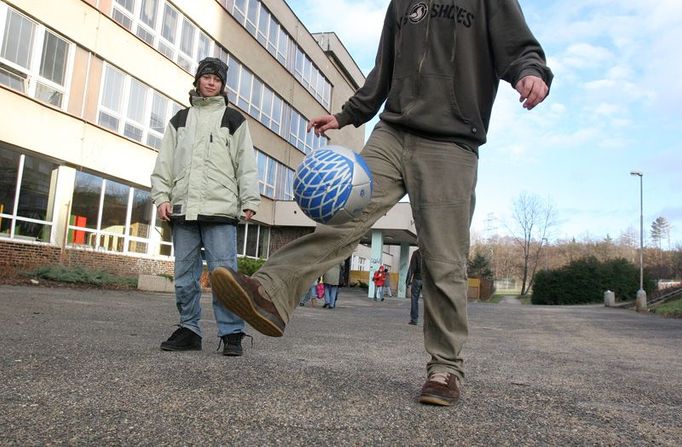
x,y
87,88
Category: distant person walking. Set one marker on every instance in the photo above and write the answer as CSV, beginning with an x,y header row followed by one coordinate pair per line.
x,y
379,279
387,283
331,280
414,280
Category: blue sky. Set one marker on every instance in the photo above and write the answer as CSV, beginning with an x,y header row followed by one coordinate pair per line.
x,y
615,106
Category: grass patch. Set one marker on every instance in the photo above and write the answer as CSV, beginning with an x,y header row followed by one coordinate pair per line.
x,y
79,275
672,309
525,299
497,297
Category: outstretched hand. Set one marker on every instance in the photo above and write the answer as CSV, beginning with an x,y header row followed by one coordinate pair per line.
x,y
322,124
533,91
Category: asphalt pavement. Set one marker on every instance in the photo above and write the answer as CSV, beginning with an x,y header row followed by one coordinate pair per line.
x,y
83,367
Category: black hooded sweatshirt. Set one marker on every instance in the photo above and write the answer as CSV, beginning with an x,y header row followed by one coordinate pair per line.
x,y
439,64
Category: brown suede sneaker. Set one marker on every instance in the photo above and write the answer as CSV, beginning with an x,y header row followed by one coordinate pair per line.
x,y
245,297
440,389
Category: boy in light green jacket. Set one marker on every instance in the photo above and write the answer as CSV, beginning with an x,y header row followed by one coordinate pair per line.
x,y
204,180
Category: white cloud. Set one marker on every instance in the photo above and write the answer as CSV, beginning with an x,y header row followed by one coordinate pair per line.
x,y
614,106
585,55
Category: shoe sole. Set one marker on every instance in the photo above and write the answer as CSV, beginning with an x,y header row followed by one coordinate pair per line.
x,y
231,294
193,348
233,354
431,399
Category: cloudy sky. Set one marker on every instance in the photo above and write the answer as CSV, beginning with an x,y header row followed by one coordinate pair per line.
x,y
615,106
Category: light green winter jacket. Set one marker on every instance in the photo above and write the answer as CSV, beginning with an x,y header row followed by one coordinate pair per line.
x,y
206,167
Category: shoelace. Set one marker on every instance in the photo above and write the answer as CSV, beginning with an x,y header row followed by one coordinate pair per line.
x,y
439,377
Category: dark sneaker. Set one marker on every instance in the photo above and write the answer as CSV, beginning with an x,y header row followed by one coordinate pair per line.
x,y
232,344
412,322
440,389
246,298
182,339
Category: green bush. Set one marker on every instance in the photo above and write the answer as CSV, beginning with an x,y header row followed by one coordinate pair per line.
x,y
79,275
249,266
585,281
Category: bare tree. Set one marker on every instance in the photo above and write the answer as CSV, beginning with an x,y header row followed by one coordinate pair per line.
x,y
533,219
660,229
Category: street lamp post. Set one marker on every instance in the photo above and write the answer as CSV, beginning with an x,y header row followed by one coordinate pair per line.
x,y
640,303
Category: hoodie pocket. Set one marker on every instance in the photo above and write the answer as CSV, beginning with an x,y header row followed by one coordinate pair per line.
x,y
428,103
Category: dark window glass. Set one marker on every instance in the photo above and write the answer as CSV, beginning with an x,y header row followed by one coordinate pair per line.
x,y
9,165
240,239
115,207
36,180
252,240
141,214
85,204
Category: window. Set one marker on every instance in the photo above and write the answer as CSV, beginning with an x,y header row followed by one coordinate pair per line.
x,y
187,41
244,90
26,188
18,39
258,21
133,109
256,98
266,174
170,23
264,242
306,142
140,221
163,27
148,12
33,59
253,240
359,263
114,217
239,10
252,16
284,183
251,95
275,180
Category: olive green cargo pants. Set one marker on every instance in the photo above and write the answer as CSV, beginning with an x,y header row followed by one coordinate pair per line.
x,y
440,178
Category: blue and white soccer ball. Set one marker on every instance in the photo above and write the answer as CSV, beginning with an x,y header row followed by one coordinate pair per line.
x,y
332,185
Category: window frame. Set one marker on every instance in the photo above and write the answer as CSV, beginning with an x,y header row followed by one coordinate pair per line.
x,y
30,76
169,46
123,116
15,217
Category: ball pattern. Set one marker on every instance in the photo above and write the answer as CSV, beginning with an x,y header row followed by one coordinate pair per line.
x,y
324,183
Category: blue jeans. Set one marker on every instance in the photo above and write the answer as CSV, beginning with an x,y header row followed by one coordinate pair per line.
x,y
310,294
220,249
330,294
416,291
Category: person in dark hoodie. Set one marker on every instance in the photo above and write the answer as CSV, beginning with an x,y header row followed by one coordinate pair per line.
x,y
437,70
204,180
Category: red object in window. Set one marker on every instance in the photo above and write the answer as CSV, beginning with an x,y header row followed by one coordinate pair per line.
x,y
78,235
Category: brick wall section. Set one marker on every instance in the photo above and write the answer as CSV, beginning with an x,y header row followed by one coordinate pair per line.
x,y
18,257
279,237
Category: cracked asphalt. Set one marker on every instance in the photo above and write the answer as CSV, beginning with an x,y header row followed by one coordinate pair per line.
x,y
83,367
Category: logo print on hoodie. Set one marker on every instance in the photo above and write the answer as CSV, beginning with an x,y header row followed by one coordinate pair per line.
x,y
417,12
451,12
